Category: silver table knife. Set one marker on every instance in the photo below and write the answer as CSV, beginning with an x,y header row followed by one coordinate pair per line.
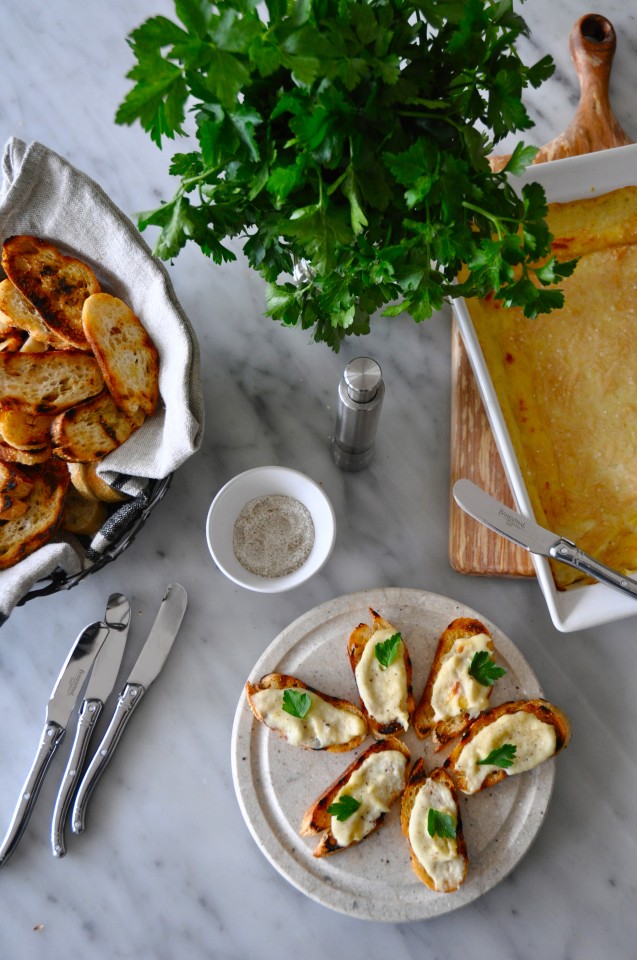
x,y
149,663
536,539
100,685
58,713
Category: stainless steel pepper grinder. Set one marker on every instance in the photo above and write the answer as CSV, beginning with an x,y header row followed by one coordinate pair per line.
x,y
360,398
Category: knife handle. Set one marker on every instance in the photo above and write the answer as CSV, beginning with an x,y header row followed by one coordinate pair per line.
x,y
567,552
126,704
52,736
88,716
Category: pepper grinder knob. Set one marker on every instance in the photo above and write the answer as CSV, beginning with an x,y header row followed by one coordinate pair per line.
x,y
360,397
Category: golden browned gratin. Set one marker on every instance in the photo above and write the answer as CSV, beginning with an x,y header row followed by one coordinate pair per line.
x,y
567,383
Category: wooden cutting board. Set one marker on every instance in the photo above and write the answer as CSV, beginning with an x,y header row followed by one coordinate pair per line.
x,y
473,548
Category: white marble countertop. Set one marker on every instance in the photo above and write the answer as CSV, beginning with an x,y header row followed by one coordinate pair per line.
x,y
167,868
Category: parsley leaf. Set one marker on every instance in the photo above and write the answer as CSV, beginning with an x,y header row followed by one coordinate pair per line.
x,y
296,702
386,651
484,669
441,824
500,757
344,807
355,136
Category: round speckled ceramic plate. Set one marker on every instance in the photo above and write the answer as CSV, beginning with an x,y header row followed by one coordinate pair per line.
x,y
275,782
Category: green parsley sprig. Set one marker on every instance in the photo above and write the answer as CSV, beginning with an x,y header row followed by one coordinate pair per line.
x,y
344,807
484,669
352,136
386,651
296,702
441,824
500,757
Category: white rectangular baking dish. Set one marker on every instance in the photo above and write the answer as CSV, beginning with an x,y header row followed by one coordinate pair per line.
x,y
573,178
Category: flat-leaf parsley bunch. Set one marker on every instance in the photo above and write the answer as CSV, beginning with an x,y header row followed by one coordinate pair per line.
x,y
351,137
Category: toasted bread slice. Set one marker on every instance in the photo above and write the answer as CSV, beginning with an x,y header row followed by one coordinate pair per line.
x,y
517,736
91,486
22,428
126,354
48,382
441,862
11,508
45,503
82,516
373,782
22,315
91,430
56,285
330,723
452,696
385,692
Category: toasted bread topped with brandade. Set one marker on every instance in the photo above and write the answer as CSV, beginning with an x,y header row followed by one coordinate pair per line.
x,y
431,822
304,716
382,669
511,738
126,354
56,285
460,681
356,803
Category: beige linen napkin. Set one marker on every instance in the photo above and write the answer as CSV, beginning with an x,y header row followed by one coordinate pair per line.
x,y
44,195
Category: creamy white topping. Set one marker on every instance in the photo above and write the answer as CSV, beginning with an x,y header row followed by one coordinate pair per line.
x,y
534,741
377,783
438,855
383,690
324,725
455,691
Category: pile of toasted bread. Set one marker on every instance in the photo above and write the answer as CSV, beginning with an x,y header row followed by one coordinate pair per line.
x,y
451,711
78,375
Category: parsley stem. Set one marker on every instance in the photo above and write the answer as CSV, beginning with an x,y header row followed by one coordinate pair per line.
x,y
496,221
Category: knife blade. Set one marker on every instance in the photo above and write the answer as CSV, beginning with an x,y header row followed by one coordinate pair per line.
x,y
100,684
58,713
149,664
536,539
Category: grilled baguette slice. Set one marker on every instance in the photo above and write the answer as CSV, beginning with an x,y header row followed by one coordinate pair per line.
x,y
14,487
440,862
36,455
82,516
330,724
386,693
23,315
45,503
126,354
536,729
91,430
452,698
56,285
376,779
48,382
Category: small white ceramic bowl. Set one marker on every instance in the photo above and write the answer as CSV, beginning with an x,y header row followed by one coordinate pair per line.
x,y
259,482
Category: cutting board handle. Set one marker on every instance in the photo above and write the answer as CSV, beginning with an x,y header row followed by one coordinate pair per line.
x,y
592,44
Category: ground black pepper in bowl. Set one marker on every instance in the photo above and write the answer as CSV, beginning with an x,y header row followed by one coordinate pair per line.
x,y
273,535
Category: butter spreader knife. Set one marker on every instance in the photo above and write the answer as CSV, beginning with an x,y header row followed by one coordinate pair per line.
x,y
58,713
100,685
148,665
536,539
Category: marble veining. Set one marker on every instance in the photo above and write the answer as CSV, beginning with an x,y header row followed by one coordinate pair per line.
x,y
167,869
